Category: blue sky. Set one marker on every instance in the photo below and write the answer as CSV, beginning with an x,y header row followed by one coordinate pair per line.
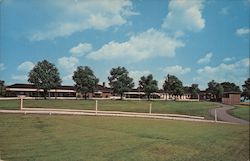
x,y
196,40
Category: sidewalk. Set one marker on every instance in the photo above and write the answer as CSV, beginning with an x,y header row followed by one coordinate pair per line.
x,y
224,116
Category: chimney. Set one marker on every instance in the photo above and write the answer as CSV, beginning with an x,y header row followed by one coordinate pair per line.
x,y
103,84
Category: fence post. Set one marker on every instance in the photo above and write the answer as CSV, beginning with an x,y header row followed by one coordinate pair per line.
x,y
21,102
96,105
215,115
150,107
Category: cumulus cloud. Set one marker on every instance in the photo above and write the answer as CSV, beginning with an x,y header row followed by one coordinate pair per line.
x,y
228,59
236,72
242,31
184,15
67,63
81,49
67,80
176,70
25,66
20,78
77,16
148,44
2,67
206,59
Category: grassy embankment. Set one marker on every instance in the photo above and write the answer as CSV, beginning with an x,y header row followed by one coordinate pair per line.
x,y
241,111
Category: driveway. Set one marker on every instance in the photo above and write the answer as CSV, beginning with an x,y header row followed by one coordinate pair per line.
x,y
222,114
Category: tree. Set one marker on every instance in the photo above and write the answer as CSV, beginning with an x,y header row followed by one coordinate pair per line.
x,y
173,85
119,80
215,89
148,85
45,76
230,87
2,88
194,90
246,89
85,80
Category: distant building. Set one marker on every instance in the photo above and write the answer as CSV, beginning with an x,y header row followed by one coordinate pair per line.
x,y
29,90
231,98
101,91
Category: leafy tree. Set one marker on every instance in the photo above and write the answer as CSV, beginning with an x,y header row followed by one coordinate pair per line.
x,y
215,89
230,87
246,89
119,80
2,88
173,85
148,85
85,80
194,90
45,76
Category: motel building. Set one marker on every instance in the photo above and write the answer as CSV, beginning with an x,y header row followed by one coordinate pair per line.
x,y
64,92
101,92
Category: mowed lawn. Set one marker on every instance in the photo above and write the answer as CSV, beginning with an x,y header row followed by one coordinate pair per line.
x,y
90,138
241,111
188,108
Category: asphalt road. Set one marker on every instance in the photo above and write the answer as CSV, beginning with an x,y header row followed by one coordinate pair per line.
x,y
222,115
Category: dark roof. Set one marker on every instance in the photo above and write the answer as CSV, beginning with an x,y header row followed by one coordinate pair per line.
x,y
103,88
232,92
21,86
65,87
33,86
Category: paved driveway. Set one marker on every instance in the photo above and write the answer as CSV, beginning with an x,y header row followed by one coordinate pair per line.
x,y
224,116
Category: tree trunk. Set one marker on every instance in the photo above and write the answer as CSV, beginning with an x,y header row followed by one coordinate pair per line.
x,y
121,96
85,96
148,96
45,93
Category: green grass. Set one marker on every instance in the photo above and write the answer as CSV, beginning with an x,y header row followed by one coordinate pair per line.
x,y
44,137
188,108
241,111
9,104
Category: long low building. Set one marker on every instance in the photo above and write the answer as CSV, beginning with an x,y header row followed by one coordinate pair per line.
x,y
29,90
101,91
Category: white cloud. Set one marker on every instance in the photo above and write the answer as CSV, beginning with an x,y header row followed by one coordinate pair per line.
x,y
137,74
242,31
20,78
67,80
206,59
26,66
2,67
77,16
68,63
148,44
81,49
236,72
176,70
228,59
184,15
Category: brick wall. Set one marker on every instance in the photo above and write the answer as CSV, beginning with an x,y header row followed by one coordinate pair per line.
x,y
232,100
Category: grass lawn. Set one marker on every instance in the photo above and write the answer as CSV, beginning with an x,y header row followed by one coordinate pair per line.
x,y
44,137
241,111
188,108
